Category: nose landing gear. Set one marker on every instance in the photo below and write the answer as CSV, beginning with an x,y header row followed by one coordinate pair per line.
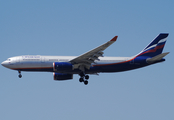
x,y
19,74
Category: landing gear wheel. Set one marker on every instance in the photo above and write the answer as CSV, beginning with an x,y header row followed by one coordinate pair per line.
x,y
81,80
20,76
86,82
87,77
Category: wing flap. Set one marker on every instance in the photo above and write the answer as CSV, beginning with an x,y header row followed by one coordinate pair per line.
x,y
89,57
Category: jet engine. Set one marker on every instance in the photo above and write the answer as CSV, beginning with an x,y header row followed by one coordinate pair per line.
x,y
62,66
62,76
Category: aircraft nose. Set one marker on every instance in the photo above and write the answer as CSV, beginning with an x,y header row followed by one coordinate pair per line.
x,y
4,63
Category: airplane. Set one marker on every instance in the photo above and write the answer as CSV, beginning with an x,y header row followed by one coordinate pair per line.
x,y
92,62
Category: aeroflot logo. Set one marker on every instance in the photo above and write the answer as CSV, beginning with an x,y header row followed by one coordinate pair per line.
x,y
30,56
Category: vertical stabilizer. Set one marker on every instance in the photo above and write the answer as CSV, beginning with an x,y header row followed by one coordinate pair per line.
x,y
155,47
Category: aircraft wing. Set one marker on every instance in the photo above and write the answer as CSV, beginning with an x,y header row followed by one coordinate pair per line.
x,y
84,61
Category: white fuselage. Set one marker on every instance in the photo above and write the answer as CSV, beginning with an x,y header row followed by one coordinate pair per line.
x,y
38,61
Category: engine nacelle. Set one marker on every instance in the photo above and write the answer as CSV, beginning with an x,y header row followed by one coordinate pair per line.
x,y
61,76
62,66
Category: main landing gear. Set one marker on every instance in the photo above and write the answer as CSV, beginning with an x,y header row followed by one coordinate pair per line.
x,y
84,78
19,74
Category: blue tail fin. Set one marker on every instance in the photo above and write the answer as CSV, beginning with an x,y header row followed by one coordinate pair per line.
x,y
155,47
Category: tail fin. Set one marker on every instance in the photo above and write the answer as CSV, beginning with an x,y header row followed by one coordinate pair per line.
x,y
155,47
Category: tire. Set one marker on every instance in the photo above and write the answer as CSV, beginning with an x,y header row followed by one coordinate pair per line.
x,y
87,77
86,82
81,80
20,76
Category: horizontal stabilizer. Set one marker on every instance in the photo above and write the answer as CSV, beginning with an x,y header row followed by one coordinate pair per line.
x,y
156,58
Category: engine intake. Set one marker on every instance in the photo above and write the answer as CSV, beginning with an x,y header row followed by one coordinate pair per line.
x,y
62,76
62,66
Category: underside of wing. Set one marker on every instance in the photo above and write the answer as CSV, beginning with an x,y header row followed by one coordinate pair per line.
x,y
84,61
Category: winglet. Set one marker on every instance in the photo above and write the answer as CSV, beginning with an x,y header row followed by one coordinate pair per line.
x,y
114,39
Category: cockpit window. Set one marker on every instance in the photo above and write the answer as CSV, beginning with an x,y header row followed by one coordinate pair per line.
x,y
9,59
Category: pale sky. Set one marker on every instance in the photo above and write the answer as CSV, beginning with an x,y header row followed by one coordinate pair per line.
x,y
71,28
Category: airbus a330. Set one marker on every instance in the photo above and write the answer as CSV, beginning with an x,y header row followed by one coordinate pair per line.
x,y
92,62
